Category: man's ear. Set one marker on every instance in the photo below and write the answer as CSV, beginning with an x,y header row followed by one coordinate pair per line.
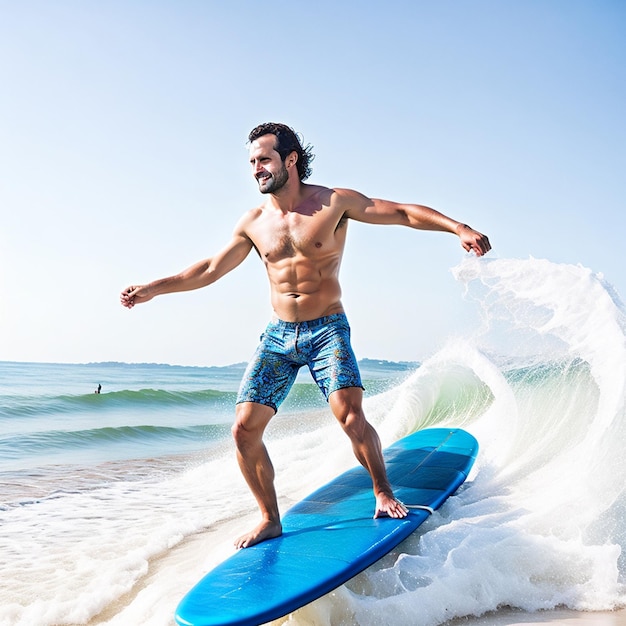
x,y
291,159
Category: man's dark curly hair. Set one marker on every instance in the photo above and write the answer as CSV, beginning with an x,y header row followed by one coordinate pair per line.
x,y
287,141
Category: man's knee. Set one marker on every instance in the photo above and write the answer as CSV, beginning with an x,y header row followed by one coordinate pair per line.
x,y
250,422
347,404
239,433
352,420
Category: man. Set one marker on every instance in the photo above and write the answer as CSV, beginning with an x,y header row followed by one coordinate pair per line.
x,y
299,232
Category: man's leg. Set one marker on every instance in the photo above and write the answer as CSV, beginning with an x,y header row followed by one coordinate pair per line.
x,y
257,469
347,406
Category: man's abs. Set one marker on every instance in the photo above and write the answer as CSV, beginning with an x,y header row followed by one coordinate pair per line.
x,y
307,304
305,288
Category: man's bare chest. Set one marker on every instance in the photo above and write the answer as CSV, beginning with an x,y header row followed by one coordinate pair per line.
x,y
303,236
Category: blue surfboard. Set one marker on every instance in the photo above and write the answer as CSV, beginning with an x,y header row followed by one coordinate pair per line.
x,y
330,536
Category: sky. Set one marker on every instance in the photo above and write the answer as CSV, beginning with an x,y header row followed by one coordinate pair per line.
x,y
123,159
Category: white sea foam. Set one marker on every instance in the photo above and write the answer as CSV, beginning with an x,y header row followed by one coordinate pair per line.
x,y
540,524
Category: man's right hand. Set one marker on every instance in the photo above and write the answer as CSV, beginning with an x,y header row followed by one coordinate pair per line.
x,y
135,295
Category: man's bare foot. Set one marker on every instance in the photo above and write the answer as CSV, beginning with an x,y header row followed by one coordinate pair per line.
x,y
267,529
388,506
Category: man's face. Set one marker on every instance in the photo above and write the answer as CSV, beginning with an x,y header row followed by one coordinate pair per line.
x,y
267,167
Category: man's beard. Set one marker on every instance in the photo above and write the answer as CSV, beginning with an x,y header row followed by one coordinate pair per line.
x,y
275,182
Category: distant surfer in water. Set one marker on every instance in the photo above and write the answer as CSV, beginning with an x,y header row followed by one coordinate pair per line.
x,y
299,232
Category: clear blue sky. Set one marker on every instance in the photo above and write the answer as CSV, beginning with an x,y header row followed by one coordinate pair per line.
x,y
123,158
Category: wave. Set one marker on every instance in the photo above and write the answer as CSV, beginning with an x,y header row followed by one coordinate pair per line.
x,y
36,406
54,441
304,396
539,524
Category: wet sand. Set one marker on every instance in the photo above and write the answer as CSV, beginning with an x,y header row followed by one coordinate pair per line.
x,y
565,617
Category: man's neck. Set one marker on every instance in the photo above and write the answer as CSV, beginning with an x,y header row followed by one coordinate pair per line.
x,y
290,196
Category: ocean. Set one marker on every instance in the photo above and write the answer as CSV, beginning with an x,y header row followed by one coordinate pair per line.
x,y
113,505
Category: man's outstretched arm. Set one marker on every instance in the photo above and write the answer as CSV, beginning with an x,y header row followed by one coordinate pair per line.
x,y
198,275
377,211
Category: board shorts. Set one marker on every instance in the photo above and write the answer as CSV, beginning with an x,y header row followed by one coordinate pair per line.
x,y
322,344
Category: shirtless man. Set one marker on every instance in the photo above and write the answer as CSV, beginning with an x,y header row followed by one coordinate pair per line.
x,y
299,232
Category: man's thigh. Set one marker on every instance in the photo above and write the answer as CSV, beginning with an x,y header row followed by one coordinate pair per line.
x,y
269,375
334,365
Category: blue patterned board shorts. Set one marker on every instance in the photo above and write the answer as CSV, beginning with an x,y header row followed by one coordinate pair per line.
x,y
322,344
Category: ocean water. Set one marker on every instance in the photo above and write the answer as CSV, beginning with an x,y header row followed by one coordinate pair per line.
x,y
113,505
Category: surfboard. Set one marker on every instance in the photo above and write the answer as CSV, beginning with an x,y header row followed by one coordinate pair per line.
x,y
331,536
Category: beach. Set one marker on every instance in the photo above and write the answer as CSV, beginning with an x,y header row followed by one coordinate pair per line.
x,y
564,617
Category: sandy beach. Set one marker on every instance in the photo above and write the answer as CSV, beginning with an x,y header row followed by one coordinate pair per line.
x,y
517,618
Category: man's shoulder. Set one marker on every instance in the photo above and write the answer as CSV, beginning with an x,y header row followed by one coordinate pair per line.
x,y
247,220
333,195
251,214
345,199
345,193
